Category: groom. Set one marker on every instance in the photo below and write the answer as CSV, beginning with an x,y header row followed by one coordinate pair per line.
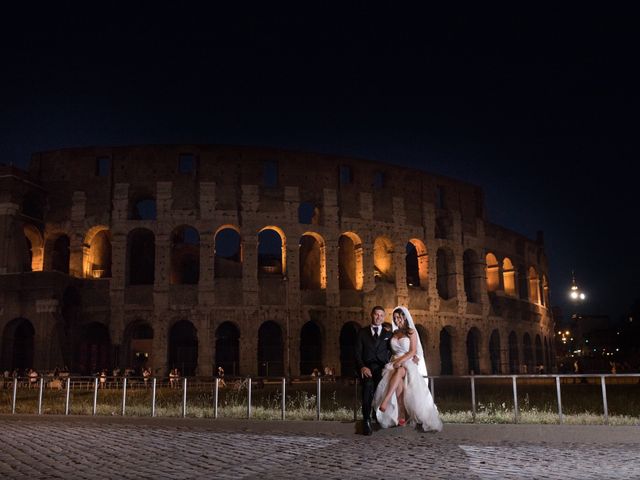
x,y
373,351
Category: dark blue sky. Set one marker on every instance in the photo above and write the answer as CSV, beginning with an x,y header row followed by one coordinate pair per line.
x,y
539,107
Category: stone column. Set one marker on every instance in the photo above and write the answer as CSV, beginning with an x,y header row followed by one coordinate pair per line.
x,y
206,291
162,271
46,310
12,250
76,242
331,269
205,350
399,251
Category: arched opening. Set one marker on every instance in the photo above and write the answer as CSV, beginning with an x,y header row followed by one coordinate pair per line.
x,y
94,349
523,283
514,360
473,351
539,354
417,264
185,256
310,348
384,269
308,214
60,254
494,352
228,253
272,253
446,352
472,270
138,340
528,354
509,278
228,348
34,249
143,208
141,255
97,253
270,350
493,273
183,348
348,334
18,344
534,286
312,262
350,265
445,266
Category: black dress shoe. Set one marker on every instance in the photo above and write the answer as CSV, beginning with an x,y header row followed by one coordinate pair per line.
x,y
366,428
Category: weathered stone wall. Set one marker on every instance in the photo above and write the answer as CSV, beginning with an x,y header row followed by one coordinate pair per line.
x,y
227,189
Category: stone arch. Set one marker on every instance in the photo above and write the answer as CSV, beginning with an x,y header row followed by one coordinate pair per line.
x,y
528,353
534,286
141,257
539,360
185,256
493,272
446,351
494,352
313,269
514,359
348,334
523,283
18,344
473,351
96,255
228,348
445,266
183,348
384,268
509,278
270,350
143,207
93,353
59,248
272,252
473,275
228,252
310,348
417,264
138,345
34,248
350,262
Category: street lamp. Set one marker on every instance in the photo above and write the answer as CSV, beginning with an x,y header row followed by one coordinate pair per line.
x,y
577,296
575,293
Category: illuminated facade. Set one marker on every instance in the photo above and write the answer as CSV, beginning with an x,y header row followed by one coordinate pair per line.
x,y
262,261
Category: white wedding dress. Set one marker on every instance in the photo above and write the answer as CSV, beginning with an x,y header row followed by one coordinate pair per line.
x,y
418,401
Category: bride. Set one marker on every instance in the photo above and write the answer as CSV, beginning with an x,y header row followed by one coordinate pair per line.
x,y
403,393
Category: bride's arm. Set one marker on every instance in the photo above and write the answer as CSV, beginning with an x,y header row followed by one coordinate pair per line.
x,y
410,354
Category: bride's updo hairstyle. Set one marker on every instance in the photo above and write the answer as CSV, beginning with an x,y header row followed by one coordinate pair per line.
x,y
405,329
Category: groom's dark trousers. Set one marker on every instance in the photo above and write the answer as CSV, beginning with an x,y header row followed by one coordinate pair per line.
x,y
374,354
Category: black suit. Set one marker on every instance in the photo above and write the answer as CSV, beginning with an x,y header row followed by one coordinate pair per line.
x,y
374,354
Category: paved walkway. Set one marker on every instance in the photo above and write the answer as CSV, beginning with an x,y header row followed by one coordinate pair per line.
x,y
138,448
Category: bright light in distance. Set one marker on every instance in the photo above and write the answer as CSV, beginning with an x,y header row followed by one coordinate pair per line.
x,y
582,296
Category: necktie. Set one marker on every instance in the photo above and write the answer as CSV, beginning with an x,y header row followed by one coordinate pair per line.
x,y
375,333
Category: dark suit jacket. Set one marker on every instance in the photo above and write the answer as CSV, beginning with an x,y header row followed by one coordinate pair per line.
x,y
372,353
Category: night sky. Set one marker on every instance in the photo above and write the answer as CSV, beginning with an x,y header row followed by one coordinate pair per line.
x,y
538,107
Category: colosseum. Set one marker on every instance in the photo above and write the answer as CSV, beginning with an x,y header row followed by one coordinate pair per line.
x,y
262,261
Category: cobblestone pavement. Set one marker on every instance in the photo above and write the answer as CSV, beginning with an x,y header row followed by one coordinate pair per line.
x,y
85,447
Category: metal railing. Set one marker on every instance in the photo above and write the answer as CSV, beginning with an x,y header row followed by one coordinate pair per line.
x,y
84,383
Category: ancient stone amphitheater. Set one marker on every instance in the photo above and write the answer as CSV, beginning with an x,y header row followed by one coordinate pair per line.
x,y
262,261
